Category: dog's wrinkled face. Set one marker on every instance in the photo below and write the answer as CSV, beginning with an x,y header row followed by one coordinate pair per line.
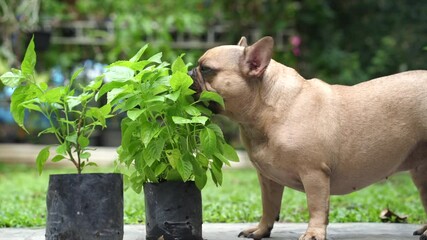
x,y
230,71
219,72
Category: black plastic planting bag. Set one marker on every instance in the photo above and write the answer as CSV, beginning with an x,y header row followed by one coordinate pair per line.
x,y
85,207
173,210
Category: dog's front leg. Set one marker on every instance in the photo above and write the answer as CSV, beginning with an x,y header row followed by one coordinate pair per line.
x,y
271,201
317,187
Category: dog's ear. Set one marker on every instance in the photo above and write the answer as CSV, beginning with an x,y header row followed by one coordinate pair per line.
x,y
243,42
257,57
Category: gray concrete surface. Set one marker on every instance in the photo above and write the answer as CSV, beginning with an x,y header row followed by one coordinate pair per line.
x,y
103,156
224,231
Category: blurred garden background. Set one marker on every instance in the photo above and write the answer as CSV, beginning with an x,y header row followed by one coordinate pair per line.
x,y
343,42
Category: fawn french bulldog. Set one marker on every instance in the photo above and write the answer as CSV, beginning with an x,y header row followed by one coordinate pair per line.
x,y
315,137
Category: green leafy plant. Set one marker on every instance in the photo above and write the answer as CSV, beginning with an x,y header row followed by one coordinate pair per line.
x,y
72,118
166,135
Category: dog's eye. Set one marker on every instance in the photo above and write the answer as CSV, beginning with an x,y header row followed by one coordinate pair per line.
x,y
205,69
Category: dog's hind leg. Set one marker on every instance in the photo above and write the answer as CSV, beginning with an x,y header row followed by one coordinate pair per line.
x,y
271,202
420,179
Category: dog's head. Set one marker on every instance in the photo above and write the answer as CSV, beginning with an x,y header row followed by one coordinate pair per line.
x,y
232,71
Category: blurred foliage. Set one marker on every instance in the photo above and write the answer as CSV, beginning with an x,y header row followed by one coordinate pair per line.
x,y
341,41
351,41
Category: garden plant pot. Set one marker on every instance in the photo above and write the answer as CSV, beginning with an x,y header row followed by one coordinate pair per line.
x,y
85,207
173,210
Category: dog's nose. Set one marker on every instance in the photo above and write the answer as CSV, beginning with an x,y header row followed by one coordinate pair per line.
x,y
191,73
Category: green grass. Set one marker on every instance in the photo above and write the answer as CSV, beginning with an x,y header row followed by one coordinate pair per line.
x,y
22,199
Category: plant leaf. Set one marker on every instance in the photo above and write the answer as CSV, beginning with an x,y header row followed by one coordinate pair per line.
x,y
180,80
134,114
29,61
119,73
157,58
85,155
139,54
201,180
173,156
72,138
62,149
42,158
57,158
11,79
184,167
230,153
208,140
222,158
200,119
179,66
211,96
193,111
181,120
83,141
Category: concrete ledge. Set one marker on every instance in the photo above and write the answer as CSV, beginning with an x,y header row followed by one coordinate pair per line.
x,y
225,231
103,156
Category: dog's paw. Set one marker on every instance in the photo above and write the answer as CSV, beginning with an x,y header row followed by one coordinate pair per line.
x,y
314,234
423,232
255,233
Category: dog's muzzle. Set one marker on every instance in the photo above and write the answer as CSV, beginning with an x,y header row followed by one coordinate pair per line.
x,y
196,86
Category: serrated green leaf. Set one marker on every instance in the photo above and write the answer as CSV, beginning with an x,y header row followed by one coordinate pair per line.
x,y
57,158
211,96
156,58
201,180
160,168
32,106
193,111
202,160
208,141
108,87
173,175
179,66
148,132
94,84
85,155
73,101
217,130
134,114
18,111
75,75
139,54
181,120
83,141
112,95
153,151
184,167
173,96
72,138
200,119
62,149
105,110
222,158
91,164
53,95
150,174
42,158
11,79
230,153
29,61
173,156
216,174
180,80
47,131
119,73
